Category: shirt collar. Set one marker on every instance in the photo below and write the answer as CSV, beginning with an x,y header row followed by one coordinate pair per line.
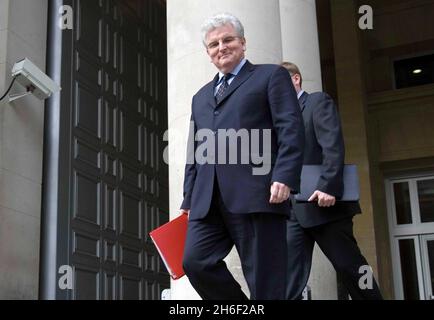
x,y
299,94
235,71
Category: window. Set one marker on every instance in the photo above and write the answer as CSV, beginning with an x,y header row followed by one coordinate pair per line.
x,y
410,204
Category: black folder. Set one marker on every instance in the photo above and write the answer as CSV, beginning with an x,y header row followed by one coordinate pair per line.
x,y
309,183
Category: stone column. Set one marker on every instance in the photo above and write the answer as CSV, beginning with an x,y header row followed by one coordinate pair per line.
x,y
300,45
300,40
189,68
353,109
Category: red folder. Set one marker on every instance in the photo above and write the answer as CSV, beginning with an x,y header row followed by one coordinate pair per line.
x,y
169,239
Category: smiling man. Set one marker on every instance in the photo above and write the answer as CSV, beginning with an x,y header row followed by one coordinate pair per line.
x,y
226,203
225,48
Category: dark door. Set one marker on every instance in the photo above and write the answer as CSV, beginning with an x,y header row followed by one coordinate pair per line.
x,y
113,183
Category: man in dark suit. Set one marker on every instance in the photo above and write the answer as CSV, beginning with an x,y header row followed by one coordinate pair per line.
x,y
324,220
228,204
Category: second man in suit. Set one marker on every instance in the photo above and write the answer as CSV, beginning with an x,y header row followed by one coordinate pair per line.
x,y
324,220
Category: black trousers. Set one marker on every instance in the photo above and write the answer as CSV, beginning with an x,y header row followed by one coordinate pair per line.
x,y
337,242
260,239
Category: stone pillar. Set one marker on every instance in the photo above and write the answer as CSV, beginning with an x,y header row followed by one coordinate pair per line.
x,y
23,33
353,109
189,68
300,45
300,40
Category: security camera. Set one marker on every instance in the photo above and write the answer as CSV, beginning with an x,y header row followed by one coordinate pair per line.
x,y
33,79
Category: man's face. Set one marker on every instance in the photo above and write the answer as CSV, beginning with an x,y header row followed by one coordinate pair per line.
x,y
225,48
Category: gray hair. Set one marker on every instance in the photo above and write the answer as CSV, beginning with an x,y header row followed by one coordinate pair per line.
x,y
219,20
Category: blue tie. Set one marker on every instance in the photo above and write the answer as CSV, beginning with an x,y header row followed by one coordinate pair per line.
x,y
223,87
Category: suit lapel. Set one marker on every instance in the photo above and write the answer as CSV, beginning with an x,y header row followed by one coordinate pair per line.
x,y
240,78
302,100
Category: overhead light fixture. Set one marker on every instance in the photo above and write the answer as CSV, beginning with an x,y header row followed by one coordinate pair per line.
x,y
417,71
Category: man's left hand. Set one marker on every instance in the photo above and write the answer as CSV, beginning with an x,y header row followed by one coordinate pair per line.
x,y
323,199
279,192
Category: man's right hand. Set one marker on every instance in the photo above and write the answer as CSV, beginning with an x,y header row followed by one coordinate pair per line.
x,y
323,199
279,192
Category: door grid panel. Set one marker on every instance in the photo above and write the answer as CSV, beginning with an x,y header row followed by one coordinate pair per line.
x,y
118,117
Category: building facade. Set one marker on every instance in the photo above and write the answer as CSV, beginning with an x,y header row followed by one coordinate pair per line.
x,y
83,176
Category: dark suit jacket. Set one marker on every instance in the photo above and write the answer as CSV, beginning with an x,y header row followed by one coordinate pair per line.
x,y
324,144
258,98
